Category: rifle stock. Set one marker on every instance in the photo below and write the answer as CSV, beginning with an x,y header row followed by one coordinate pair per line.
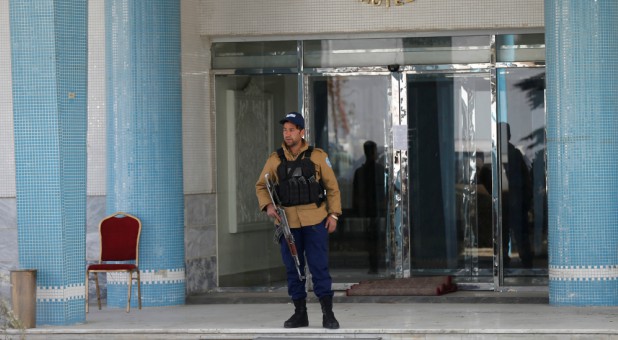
x,y
287,233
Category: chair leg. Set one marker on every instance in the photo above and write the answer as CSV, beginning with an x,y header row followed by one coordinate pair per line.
x,y
87,290
139,291
129,293
96,281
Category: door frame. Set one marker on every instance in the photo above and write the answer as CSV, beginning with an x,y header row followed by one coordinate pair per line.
x,y
307,111
468,282
397,94
397,149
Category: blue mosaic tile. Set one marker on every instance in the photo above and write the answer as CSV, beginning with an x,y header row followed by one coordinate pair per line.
x,y
49,68
145,135
582,59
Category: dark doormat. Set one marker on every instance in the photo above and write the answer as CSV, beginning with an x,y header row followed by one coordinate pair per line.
x,y
412,286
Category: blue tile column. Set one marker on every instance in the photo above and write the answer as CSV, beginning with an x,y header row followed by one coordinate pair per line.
x,y
144,142
50,72
582,141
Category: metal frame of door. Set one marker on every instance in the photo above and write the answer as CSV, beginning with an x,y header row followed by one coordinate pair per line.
x,y
499,270
397,148
497,283
459,69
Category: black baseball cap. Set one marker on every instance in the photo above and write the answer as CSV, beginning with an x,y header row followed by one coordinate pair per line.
x,y
294,118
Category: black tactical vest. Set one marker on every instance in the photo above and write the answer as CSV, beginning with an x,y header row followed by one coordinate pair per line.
x,y
297,182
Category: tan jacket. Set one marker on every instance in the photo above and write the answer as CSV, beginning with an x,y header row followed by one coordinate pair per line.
x,y
306,214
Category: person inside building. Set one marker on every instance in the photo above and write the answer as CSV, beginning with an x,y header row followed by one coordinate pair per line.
x,y
309,193
517,198
369,200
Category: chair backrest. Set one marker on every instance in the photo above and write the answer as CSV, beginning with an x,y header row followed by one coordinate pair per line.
x,y
120,237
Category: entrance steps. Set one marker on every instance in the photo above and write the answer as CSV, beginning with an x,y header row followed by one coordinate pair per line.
x,y
459,315
385,321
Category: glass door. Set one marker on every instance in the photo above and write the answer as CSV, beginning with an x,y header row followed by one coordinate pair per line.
x,y
450,175
248,131
521,116
350,120
438,148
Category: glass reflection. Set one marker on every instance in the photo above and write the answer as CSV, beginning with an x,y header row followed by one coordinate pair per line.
x,y
400,51
449,171
520,47
516,203
369,201
248,112
524,199
350,119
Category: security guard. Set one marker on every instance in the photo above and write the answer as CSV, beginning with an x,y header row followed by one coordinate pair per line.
x,y
308,189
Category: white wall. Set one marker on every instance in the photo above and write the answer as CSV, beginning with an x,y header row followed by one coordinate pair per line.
x,y
8,206
7,158
96,138
198,138
235,18
197,119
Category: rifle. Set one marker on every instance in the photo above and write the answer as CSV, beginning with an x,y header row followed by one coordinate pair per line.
x,y
283,224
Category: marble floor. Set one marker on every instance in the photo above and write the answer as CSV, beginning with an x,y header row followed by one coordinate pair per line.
x,y
358,321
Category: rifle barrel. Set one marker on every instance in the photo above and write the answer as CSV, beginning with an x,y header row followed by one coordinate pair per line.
x,y
287,233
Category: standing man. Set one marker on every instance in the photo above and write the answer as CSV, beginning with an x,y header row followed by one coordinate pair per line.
x,y
309,193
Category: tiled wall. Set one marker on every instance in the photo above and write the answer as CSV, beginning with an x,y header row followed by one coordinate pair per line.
x,y
144,148
49,71
582,151
200,242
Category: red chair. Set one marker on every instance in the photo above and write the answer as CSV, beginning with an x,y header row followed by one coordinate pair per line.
x,y
119,242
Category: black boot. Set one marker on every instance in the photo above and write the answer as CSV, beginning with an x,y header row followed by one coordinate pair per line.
x,y
328,318
299,319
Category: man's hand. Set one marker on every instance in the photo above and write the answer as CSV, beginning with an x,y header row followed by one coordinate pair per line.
x,y
331,224
272,213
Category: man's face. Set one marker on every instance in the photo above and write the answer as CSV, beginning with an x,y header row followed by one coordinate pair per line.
x,y
292,136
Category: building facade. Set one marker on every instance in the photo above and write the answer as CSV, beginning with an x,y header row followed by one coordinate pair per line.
x,y
178,108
